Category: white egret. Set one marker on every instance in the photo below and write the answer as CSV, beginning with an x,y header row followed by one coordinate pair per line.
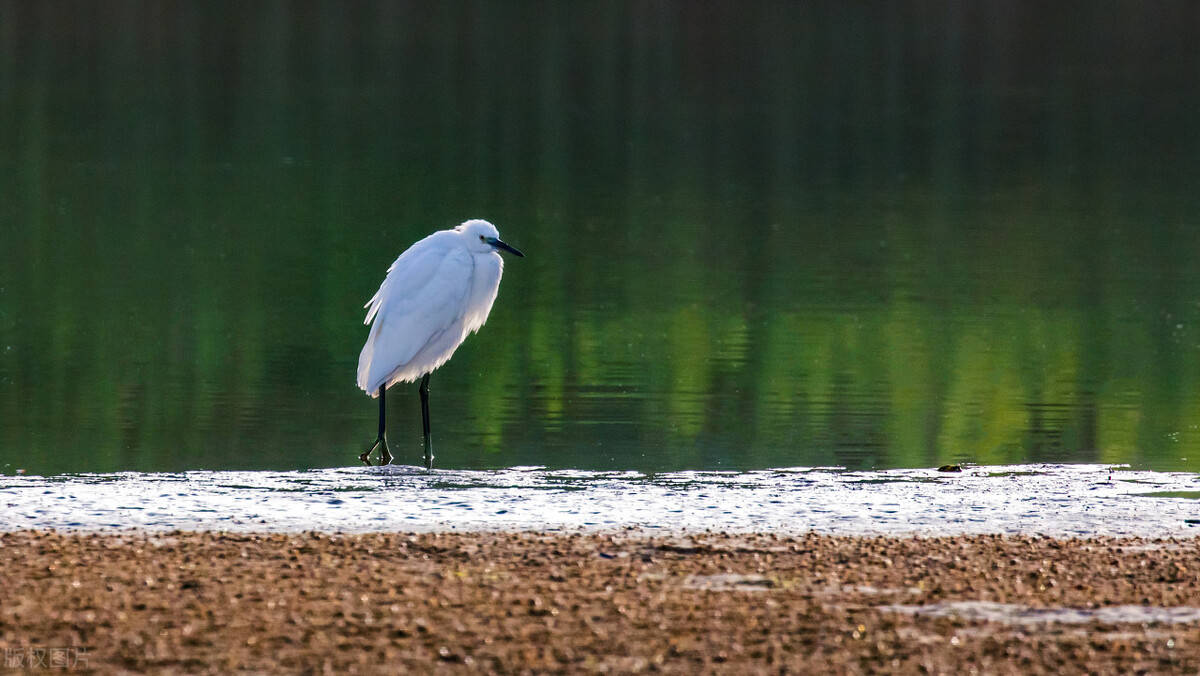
x,y
436,293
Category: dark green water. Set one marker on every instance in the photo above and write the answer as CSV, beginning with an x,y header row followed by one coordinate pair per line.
x,y
757,234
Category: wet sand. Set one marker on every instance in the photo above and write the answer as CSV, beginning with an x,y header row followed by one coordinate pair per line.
x,y
511,603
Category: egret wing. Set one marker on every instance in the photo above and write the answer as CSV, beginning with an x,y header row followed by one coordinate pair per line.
x,y
420,300
410,271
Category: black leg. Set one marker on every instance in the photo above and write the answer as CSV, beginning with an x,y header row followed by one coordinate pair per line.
x,y
385,456
425,421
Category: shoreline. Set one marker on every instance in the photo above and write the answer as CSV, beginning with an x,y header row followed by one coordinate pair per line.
x,y
508,602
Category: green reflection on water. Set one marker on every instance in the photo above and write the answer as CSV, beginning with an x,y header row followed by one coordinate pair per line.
x,y
757,234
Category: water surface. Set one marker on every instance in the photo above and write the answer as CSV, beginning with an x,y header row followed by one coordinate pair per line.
x,y
1058,500
758,234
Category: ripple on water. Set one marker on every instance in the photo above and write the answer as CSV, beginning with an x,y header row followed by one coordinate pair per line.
x,y
1048,499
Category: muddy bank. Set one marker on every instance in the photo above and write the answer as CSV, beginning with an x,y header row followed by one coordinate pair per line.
x,y
375,603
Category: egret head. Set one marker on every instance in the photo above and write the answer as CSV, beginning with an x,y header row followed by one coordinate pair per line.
x,y
483,237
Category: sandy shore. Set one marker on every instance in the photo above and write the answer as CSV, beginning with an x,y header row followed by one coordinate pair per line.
x,y
511,603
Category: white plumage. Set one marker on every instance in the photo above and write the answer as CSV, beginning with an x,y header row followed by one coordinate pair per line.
x,y
435,294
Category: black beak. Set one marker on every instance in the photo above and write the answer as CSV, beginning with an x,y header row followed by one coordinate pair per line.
x,y
501,245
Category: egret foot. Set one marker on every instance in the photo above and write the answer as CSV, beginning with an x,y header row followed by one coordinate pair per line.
x,y
385,456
